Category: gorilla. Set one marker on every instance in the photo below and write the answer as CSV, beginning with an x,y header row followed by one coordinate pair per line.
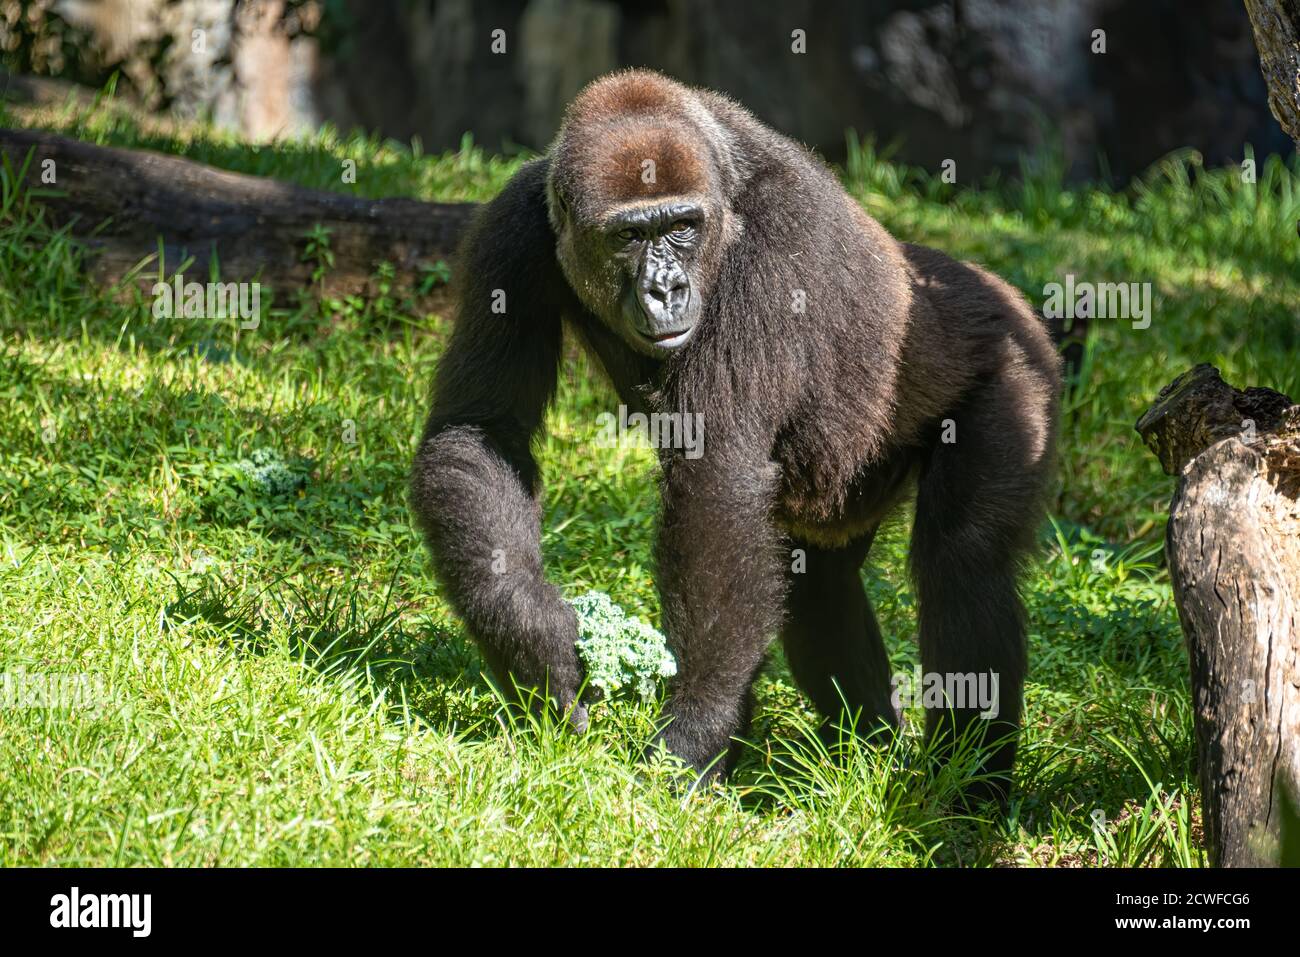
x,y
716,268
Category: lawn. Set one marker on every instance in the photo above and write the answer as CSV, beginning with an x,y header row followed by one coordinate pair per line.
x,y
274,679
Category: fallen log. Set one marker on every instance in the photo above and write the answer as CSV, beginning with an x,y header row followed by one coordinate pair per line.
x,y
121,203
1233,548
43,91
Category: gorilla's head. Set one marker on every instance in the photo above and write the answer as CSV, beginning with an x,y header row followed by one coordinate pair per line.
x,y
636,194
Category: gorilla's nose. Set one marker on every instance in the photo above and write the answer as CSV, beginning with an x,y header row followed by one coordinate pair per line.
x,y
665,299
669,292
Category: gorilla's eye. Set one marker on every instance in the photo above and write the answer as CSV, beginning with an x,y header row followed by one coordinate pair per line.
x,y
682,226
628,235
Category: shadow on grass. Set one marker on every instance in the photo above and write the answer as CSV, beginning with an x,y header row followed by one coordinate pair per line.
x,y
435,675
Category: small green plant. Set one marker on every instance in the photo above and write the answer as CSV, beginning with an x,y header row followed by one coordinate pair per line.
x,y
619,651
318,252
433,275
269,472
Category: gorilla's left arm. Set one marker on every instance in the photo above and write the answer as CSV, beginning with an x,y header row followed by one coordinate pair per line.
x,y
780,326
720,578
721,556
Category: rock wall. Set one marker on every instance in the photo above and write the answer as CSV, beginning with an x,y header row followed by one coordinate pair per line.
x,y
980,82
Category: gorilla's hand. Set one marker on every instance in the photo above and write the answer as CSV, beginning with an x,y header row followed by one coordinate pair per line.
x,y
542,654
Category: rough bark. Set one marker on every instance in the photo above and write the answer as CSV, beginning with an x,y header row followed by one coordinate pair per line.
x,y
122,203
1277,37
1233,547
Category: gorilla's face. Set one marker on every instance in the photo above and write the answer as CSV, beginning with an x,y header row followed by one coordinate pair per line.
x,y
656,246
640,268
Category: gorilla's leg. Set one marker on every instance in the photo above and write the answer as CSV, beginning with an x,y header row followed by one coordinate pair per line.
x,y
978,505
833,644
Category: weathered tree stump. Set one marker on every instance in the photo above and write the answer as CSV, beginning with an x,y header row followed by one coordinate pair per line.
x,y
1233,548
121,203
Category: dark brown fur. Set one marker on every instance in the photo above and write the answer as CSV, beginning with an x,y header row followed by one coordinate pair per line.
x,y
816,422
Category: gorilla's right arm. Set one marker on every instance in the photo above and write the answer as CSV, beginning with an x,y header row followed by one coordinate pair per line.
x,y
475,481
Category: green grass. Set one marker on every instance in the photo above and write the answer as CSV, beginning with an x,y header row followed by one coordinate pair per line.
x,y
279,683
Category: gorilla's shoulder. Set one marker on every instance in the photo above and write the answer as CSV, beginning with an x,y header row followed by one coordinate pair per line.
x,y
521,204
511,244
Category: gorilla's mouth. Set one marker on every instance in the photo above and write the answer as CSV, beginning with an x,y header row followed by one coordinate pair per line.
x,y
668,340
